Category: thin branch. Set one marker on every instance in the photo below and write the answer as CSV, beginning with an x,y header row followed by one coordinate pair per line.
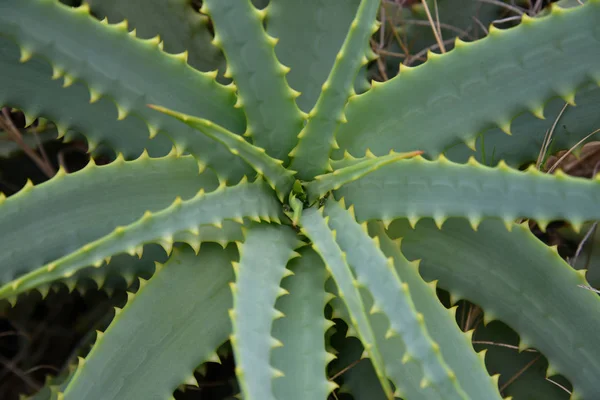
x,y
7,125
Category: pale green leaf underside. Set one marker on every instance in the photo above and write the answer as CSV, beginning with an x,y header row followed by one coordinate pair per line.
x,y
311,156
302,359
455,345
315,227
136,73
477,86
419,188
58,217
528,287
263,259
245,200
274,119
407,376
287,20
392,298
179,27
179,314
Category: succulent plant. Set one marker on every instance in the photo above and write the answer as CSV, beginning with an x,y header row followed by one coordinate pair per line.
x,y
279,192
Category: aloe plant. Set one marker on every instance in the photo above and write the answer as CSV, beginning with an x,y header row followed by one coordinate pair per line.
x,y
278,192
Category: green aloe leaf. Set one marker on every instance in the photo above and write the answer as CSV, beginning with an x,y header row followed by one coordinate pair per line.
x,y
140,74
323,184
178,26
180,312
417,188
455,345
376,272
314,226
302,359
280,178
315,142
287,20
515,278
274,119
527,139
457,95
87,205
37,93
245,200
263,259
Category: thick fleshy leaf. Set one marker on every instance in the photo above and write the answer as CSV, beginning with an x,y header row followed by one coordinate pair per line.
x,y
418,188
519,280
179,314
310,53
302,359
478,85
245,200
173,21
135,74
314,226
61,215
377,273
263,259
316,140
274,119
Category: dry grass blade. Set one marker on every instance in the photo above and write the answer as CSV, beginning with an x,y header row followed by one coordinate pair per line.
x,y
519,373
548,137
508,346
435,30
560,160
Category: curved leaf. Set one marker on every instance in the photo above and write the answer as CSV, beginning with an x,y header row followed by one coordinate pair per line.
x,y
455,345
310,53
440,189
245,200
178,26
516,278
63,214
166,319
457,95
35,92
392,297
323,184
302,359
280,178
274,119
136,73
316,140
315,227
263,259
